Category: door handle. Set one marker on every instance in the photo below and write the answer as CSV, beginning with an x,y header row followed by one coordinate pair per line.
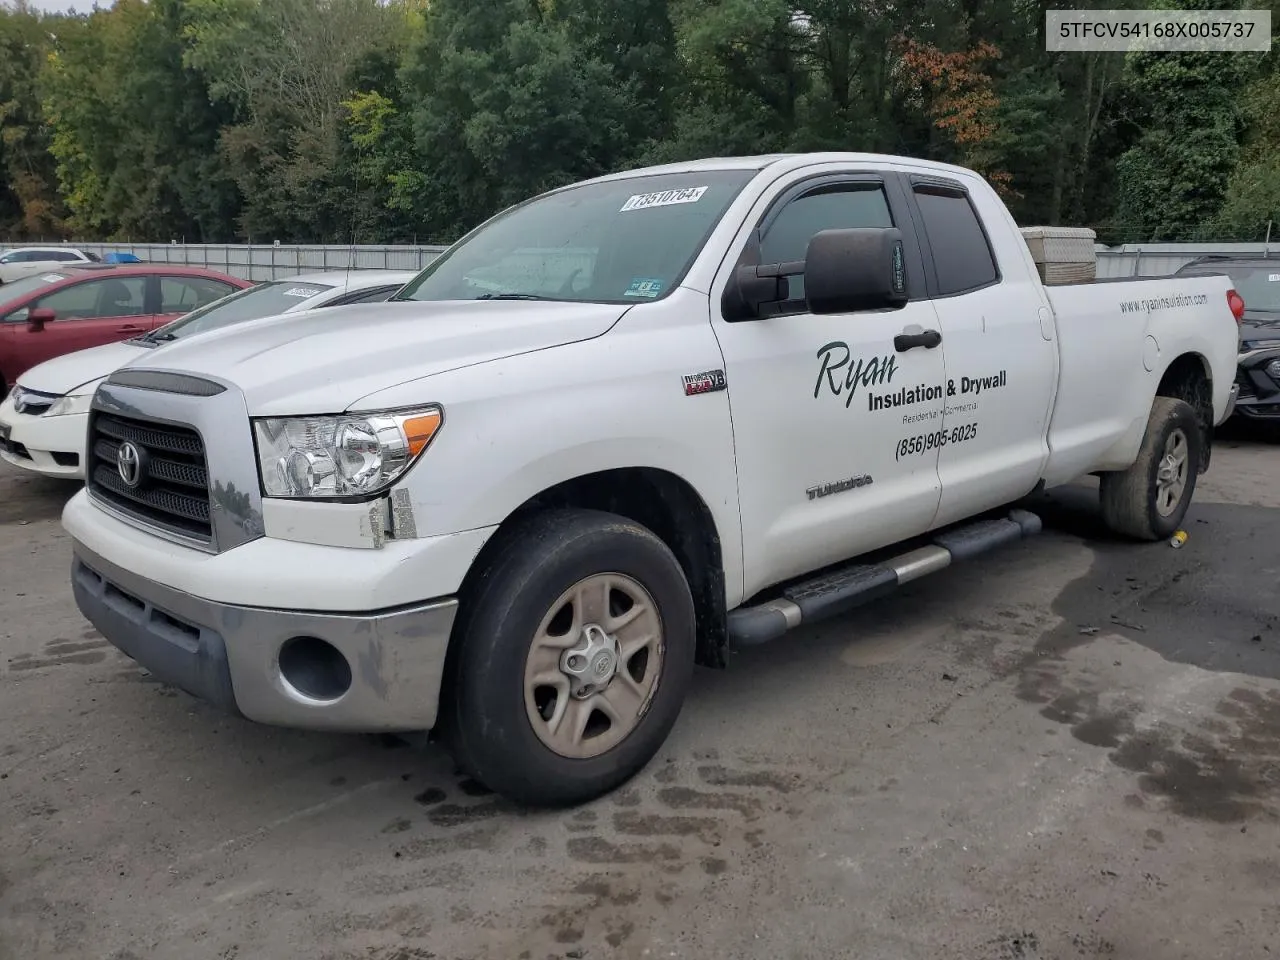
x,y
131,327
925,338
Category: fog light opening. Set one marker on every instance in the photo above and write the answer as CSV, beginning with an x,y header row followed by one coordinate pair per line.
x,y
315,668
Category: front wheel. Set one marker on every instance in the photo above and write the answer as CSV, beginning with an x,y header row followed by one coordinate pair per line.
x,y
574,654
1150,499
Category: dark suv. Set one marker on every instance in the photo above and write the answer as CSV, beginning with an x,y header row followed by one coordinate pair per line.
x,y
1257,280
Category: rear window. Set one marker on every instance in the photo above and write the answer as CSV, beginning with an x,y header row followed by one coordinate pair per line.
x,y
1258,285
252,303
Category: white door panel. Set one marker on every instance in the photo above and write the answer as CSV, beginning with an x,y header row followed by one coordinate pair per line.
x,y
826,410
1000,368
1002,372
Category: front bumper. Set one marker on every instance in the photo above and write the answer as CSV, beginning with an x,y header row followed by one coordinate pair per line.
x,y
50,446
229,655
1258,394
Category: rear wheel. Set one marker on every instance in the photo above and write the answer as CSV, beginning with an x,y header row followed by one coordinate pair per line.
x,y
1150,499
574,655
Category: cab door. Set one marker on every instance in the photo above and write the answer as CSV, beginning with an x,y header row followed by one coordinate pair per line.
x,y
1002,362
830,419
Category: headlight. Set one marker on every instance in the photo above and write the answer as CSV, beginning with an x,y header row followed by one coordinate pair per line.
x,y
1259,345
348,456
65,406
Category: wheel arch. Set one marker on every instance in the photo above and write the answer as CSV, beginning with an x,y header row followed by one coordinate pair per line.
x,y
1189,377
666,504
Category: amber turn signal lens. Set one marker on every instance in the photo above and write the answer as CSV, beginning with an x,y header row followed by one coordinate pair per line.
x,y
419,431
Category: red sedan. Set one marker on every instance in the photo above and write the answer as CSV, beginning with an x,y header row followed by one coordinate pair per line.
x,y
71,308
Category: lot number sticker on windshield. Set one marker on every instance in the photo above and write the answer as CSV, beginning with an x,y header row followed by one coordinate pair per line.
x,y
663,198
1273,277
52,277
648,287
301,292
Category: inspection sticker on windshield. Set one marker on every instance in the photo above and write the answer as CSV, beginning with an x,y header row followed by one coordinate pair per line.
x,y
663,198
648,287
52,277
301,292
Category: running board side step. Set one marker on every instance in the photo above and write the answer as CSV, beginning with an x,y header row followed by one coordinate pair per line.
x,y
838,592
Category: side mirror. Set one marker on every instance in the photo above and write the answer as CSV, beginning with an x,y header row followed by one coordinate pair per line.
x,y
38,317
752,288
856,269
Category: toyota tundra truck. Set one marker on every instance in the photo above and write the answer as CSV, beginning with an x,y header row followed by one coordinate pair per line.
x,y
618,430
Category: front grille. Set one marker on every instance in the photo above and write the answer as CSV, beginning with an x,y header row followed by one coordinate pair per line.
x,y
172,491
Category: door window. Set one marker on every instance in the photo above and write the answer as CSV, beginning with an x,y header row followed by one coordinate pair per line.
x,y
105,298
835,207
184,294
961,254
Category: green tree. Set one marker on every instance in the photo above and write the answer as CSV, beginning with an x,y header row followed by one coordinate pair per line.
x,y
133,132
507,105
1252,199
283,68
29,203
1171,183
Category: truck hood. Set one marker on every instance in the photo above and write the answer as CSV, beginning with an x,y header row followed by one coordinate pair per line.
x,y
325,360
63,374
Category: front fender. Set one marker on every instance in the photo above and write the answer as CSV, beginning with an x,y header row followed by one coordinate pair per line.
x,y
516,427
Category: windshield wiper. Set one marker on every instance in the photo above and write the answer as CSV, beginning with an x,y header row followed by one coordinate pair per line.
x,y
514,296
156,337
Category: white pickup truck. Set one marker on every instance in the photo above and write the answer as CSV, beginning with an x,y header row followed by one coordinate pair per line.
x,y
615,431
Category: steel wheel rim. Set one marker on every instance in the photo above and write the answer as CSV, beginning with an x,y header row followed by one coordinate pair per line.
x,y
1171,473
583,708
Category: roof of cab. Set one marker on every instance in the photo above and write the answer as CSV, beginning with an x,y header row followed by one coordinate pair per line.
x,y
790,161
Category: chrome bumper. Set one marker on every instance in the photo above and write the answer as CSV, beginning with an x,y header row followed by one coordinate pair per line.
x,y
230,655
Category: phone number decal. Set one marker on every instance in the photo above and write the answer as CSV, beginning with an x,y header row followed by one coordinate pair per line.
x,y
923,443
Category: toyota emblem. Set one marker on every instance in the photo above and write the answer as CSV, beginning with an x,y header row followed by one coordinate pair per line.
x,y
129,464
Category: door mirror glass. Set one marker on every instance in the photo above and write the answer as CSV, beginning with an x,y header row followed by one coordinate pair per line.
x,y
855,269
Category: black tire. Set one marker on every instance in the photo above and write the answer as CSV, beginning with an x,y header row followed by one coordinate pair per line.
x,y
484,718
1130,497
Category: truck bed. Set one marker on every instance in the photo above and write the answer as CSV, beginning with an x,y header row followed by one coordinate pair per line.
x,y
1107,330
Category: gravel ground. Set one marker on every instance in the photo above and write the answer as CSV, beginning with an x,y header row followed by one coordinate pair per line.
x,y
1067,749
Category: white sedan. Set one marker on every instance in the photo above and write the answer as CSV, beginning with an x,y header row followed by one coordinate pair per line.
x,y
22,262
44,419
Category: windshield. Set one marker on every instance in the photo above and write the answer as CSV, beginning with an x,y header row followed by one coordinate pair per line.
x,y
251,303
621,241
21,289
